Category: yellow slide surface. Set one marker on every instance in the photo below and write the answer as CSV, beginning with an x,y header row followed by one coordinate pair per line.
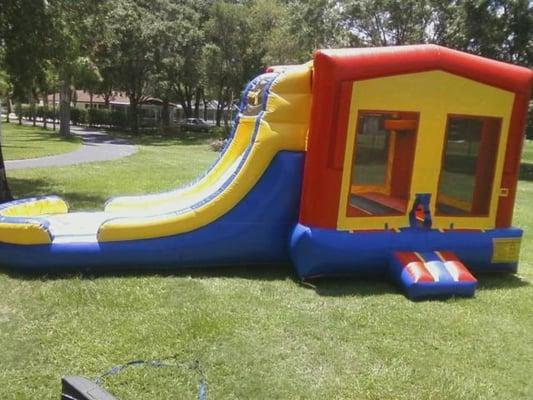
x,y
282,126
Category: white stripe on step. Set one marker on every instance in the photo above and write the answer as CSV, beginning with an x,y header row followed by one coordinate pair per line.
x,y
433,268
452,270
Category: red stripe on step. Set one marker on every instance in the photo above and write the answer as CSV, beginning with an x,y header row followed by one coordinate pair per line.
x,y
419,272
452,261
406,257
414,265
448,256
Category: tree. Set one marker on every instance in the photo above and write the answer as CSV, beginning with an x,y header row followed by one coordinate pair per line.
x,y
73,37
5,193
179,66
499,29
22,56
22,28
133,31
387,22
231,60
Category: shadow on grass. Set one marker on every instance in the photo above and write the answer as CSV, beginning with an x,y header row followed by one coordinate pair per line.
x,y
30,187
328,287
502,280
46,136
332,287
250,272
158,139
28,133
351,286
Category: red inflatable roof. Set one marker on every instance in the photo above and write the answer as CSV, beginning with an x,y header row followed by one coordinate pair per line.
x,y
365,63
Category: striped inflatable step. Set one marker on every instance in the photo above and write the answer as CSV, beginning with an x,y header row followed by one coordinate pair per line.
x,y
432,274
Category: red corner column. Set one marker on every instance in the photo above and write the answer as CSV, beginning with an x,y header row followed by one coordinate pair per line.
x,y
334,72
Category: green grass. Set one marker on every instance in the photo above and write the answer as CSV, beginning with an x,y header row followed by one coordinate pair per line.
x,y
257,332
527,152
21,142
160,164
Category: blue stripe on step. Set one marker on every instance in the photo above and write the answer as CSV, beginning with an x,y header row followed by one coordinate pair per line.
x,y
436,267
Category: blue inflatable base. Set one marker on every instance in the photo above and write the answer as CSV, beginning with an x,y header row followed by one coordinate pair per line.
x,y
256,231
317,252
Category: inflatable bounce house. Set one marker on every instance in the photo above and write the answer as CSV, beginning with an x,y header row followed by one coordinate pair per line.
x,y
398,161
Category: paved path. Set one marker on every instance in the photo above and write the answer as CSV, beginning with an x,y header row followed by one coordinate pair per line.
x,y
96,146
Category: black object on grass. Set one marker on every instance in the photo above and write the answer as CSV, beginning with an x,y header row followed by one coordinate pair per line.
x,y
80,388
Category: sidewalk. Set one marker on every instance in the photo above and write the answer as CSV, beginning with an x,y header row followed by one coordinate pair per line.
x,y
96,146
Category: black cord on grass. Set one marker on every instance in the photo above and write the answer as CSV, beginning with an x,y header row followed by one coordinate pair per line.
x,y
195,366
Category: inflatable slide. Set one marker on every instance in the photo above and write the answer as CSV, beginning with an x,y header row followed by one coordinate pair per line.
x,y
382,161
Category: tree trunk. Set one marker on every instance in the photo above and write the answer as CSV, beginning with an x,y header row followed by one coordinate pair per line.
x,y
134,109
19,115
220,108
229,110
74,97
184,98
45,111
205,108
5,193
54,111
165,114
220,105
8,109
197,96
90,108
64,106
33,113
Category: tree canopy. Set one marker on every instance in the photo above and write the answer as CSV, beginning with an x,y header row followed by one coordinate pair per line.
x,y
190,52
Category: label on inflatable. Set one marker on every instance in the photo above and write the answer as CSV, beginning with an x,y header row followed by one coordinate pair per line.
x,y
505,250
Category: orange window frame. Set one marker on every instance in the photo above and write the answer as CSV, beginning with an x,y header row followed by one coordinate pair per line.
x,y
481,189
409,121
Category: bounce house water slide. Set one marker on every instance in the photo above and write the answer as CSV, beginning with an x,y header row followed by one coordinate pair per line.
x,y
399,161
241,211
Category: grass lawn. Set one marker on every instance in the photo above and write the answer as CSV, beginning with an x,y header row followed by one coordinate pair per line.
x,y
158,165
21,142
257,332
527,152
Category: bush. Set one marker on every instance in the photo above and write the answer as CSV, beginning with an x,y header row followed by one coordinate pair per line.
x,y
95,117
98,117
41,112
221,132
529,126
118,119
79,116
217,144
526,172
23,111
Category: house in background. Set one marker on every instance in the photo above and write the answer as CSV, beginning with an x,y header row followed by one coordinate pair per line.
x,y
150,110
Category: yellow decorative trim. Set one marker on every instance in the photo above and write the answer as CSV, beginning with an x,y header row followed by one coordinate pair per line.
x,y
435,95
26,234
30,233
43,206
